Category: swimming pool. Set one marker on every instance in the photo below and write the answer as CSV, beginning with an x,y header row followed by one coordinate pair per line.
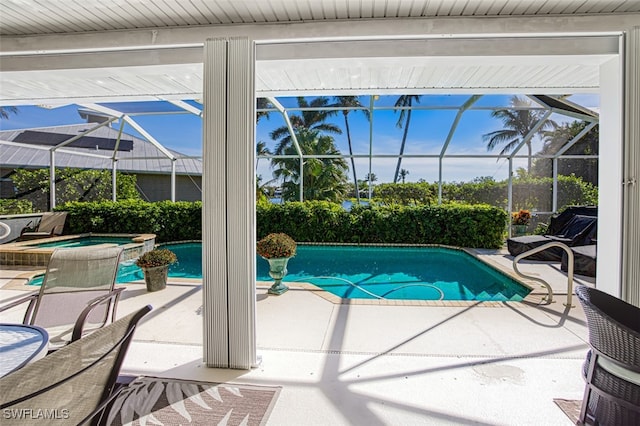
x,y
406,273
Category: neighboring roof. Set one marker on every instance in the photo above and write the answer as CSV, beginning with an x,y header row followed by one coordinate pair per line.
x,y
143,157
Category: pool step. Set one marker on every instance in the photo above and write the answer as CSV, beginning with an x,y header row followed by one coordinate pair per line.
x,y
493,292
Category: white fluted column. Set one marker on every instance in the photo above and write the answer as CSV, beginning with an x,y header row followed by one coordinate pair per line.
x,y
609,250
631,173
228,210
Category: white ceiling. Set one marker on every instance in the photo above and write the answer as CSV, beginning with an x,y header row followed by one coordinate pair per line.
x,y
26,17
105,69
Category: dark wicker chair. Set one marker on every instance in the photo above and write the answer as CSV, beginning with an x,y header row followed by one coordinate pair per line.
x,y
612,368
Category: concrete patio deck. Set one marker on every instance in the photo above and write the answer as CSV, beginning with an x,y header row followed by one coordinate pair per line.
x,y
355,364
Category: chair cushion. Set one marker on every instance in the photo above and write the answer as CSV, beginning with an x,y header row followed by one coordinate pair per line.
x,y
619,371
584,260
575,226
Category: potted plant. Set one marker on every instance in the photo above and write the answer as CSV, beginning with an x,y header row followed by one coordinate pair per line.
x,y
520,220
277,249
155,265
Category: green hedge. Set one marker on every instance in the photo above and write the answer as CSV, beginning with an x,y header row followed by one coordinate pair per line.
x,y
169,221
528,193
311,221
11,206
317,221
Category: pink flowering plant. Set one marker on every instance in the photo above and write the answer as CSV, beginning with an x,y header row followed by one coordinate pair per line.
x,y
276,245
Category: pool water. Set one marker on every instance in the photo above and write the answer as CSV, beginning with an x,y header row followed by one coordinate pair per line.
x,y
84,242
408,273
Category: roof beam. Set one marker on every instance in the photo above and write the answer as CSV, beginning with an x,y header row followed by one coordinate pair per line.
x,y
187,107
133,124
469,102
86,132
364,29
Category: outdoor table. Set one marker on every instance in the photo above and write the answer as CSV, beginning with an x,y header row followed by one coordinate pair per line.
x,y
19,345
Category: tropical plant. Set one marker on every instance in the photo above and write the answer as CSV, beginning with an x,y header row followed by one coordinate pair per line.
x,y
403,174
261,149
156,257
323,178
276,245
519,123
404,102
263,190
556,139
314,119
351,102
72,185
262,103
6,110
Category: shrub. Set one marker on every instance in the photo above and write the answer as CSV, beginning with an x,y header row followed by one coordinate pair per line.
x,y
169,221
452,224
276,245
156,257
10,206
313,221
406,193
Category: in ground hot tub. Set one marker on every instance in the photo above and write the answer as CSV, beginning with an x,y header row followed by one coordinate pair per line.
x,y
38,252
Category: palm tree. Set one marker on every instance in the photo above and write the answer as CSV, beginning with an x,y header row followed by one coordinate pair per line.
x,y
403,174
311,120
405,102
6,110
517,123
350,102
324,178
556,139
262,103
261,149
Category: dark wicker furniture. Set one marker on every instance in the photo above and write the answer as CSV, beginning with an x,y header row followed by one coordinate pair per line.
x,y
612,368
576,226
584,260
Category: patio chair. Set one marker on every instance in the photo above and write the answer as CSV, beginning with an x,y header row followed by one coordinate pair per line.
x,y
77,295
576,226
612,368
72,385
51,224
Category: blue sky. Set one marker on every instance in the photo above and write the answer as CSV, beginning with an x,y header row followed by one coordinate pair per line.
x,y
427,132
